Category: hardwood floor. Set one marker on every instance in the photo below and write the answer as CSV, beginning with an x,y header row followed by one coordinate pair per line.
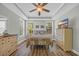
x,y
41,51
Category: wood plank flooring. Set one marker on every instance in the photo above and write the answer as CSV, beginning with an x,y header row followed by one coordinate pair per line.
x,y
39,51
43,51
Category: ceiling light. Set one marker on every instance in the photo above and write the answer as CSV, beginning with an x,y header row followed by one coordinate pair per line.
x,y
39,8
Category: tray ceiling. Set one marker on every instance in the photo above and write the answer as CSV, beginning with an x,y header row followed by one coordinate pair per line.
x,y
22,9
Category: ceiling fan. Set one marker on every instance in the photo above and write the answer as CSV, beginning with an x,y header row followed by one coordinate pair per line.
x,y
39,8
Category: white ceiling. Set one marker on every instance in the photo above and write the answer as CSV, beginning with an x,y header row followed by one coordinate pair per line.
x,y
27,7
56,9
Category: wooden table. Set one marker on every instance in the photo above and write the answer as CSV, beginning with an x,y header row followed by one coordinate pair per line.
x,y
35,41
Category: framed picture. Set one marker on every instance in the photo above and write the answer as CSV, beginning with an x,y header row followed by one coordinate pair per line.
x,y
37,26
42,26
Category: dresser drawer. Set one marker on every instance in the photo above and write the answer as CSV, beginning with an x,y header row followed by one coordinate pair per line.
x,y
12,37
3,51
9,40
7,45
2,43
12,43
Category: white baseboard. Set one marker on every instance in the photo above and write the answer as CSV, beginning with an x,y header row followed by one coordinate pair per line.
x,y
76,52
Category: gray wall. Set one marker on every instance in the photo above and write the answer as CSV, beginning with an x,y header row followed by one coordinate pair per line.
x,y
12,22
74,23
73,16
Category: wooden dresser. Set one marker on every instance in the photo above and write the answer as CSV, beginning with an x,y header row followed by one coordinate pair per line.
x,y
8,44
64,38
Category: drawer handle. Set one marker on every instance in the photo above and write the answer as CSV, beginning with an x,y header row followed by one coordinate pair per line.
x,y
2,43
2,39
8,41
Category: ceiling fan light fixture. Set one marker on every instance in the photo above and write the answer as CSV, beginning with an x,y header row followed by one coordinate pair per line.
x,y
39,9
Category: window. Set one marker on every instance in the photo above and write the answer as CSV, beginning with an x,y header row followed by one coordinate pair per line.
x,y
21,27
2,25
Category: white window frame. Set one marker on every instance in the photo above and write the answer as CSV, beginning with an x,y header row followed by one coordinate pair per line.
x,y
23,28
3,19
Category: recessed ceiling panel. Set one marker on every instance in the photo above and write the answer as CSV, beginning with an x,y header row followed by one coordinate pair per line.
x,y
26,7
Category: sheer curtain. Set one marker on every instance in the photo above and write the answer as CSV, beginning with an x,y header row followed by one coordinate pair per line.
x,y
22,29
2,25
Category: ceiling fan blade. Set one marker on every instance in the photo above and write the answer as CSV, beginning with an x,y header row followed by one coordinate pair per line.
x,y
34,4
46,10
39,13
44,4
32,10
